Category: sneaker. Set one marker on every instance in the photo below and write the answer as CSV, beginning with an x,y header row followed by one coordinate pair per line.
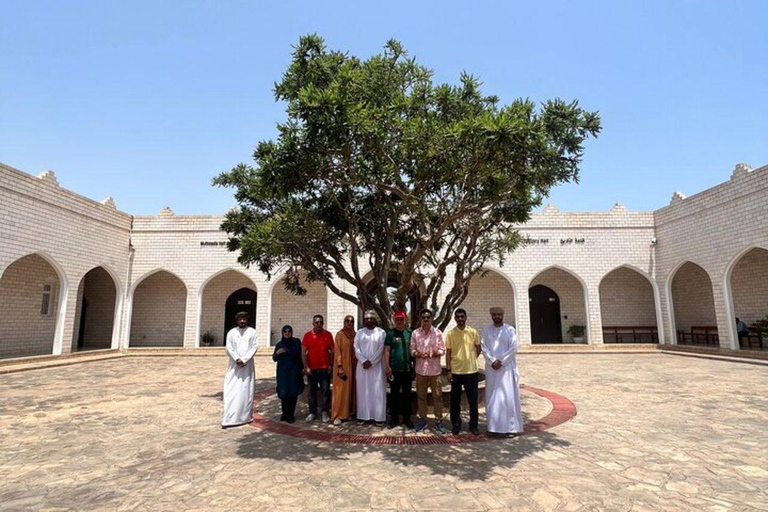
x,y
326,418
440,427
336,422
311,417
455,430
421,425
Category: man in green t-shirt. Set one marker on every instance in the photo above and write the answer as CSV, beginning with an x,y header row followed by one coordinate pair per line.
x,y
398,365
462,346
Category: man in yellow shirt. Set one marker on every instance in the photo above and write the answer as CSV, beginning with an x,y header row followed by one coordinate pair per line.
x,y
462,350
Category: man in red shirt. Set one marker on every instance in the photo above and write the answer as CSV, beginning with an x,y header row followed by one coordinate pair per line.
x,y
317,356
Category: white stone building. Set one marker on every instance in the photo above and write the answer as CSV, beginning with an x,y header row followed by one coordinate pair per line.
x,y
79,274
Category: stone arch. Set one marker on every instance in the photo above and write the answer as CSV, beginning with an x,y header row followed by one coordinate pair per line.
x,y
97,310
33,295
488,289
212,298
691,305
572,292
158,309
629,306
286,308
746,290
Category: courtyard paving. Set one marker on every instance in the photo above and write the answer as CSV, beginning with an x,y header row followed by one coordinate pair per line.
x,y
653,432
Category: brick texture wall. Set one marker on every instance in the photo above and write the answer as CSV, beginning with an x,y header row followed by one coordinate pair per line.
x,y
215,296
749,282
626,299
296,311
24,331
693,298
485,292
159,305
571,293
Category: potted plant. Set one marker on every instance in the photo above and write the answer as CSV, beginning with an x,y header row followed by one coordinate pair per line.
x,y
761,326
577,331
207,339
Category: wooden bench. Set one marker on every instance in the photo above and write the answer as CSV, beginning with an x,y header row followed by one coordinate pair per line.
x,y
631,334
753,340
699,335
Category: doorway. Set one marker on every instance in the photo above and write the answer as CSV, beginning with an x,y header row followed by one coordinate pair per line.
x,y
545,315
243,299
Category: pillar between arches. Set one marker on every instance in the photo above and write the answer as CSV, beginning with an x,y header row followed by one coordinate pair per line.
x,y
594,315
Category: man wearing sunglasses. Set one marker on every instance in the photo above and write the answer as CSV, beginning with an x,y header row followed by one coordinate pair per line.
x,y
317,356
427,347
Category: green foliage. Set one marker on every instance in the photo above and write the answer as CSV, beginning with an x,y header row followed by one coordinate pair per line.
x,y
378,167
577,331
762,326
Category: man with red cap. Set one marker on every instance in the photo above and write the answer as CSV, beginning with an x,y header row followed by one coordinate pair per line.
x,y
398,367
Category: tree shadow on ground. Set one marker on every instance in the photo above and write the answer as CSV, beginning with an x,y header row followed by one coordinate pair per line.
x,y
474,461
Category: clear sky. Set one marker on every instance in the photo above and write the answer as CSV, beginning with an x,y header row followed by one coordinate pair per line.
x,y
147,101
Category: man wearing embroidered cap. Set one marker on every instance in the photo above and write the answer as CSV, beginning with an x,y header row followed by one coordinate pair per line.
x,y
502,390
398,367
371,386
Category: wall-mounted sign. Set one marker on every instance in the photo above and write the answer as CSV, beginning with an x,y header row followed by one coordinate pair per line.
x,y
569,241
213,244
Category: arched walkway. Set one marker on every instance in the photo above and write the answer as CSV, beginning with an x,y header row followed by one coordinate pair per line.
x,y
215,295
486,291
570,293
30,292
628,307
749,293
95,313
693,306
296,310
159,305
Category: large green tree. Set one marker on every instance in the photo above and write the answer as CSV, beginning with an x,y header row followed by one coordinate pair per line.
x,y
380,178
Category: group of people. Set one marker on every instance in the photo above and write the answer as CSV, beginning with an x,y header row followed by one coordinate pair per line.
x,y
350,372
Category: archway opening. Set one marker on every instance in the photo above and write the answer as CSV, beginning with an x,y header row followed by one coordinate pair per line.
x,y
222,292
628,308
159,310
694,306
296,310
29,307
559,308
489,290
242,300
749,290
95,311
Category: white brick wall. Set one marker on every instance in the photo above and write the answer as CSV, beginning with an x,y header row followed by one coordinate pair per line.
x,y
627,299
159,308
23,330
749,282
215,295
296,311
490,290
713,229
571,293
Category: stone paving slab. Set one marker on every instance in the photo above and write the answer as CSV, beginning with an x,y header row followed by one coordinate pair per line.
x,y
653,432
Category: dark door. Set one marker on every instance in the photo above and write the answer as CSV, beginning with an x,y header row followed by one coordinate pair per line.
x,y
545,315
243,299
81,332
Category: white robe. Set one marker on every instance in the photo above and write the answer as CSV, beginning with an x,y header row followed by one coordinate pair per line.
x,y
371,383
239,382
502,388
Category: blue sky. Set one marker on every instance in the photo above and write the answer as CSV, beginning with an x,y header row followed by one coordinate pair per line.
x,y
147,101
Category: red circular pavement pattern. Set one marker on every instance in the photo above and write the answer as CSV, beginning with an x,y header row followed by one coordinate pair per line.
x,y
562,410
